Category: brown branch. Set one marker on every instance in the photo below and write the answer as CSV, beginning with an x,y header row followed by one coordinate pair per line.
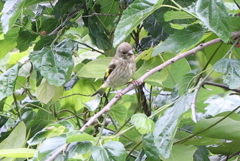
x,y
150,72
221,86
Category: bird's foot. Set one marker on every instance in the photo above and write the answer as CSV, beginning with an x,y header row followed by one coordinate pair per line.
x,y
136,82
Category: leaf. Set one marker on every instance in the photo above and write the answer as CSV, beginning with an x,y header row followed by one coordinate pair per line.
x,y
24,39
226,148
7,81
182,152
118,113
222,128
172,15
201,154
93,104
6,47
49,147
54,64
149,147
181,39
12,35
46,92
214,15
79,137
111,150
11,11
231,69
78,148
142,123
185,83
133,16
16,139
94,69
220,104
166,125
18,153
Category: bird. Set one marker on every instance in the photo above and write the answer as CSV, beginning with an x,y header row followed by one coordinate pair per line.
x,y
120,70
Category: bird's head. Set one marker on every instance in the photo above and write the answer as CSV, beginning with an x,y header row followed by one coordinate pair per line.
x,y
124,50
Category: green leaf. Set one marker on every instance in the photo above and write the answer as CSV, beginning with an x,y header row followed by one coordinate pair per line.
x,y
173,15
7,81
24,39
55,64
110,7
220,104
16,139
201,154
47,92
11,12
182,39
214,15
133,16
6,47
118,113
49,147
95,69
182,152
93,104
149,147
12,35
79,137
166,125
185,83
111,150
142,123
231,69
18,153
221,129
79,148
226,148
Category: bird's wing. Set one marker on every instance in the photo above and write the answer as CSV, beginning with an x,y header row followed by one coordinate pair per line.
x,y
109,71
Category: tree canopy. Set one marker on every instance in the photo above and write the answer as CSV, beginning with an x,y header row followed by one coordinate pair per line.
x,y
53,57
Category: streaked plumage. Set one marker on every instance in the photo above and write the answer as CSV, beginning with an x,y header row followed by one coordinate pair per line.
x,y
120,69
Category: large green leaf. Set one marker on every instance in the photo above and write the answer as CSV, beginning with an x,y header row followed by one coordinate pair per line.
x,y
142,123
77,136
94,69
24,39
6,47
18,153
231,69
221,129
54,64
225,148
49,147
166,125
220,104
7,81
133,16
46,92
111,150
118,113
214,15
149,147
182,152
182,39
172,15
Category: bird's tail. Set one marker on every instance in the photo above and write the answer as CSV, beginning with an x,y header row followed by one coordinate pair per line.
x,y
100,91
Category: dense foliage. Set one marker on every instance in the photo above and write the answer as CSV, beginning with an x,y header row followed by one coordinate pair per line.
x,y
54,54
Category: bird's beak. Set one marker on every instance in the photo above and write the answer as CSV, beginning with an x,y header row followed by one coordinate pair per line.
x,y
130,52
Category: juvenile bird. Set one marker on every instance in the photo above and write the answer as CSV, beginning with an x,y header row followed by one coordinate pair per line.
x,y
120,69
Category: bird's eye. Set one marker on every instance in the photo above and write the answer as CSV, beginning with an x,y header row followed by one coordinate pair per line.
x,y
124,52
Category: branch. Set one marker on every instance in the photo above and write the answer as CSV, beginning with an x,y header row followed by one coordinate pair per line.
x,y
221,86
71,15
150,72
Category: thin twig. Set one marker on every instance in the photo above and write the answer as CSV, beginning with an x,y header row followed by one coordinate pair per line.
x,y
100,14
221,86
